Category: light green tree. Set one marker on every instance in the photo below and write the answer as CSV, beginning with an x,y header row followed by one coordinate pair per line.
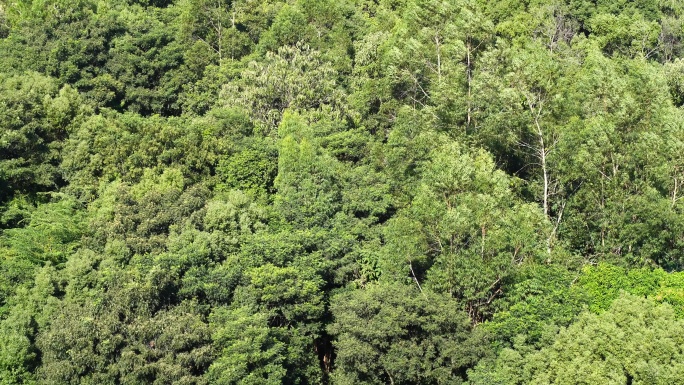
x,y
634,342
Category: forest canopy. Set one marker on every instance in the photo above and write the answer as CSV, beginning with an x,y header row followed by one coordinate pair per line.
x,y
341,192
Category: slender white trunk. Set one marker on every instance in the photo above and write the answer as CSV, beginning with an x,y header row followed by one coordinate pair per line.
x,y
541,153
439,58
469,76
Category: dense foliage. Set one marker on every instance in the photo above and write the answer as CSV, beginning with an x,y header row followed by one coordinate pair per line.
x,y
341,192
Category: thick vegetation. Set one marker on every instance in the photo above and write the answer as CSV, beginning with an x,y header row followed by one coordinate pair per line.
x,y
341,192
